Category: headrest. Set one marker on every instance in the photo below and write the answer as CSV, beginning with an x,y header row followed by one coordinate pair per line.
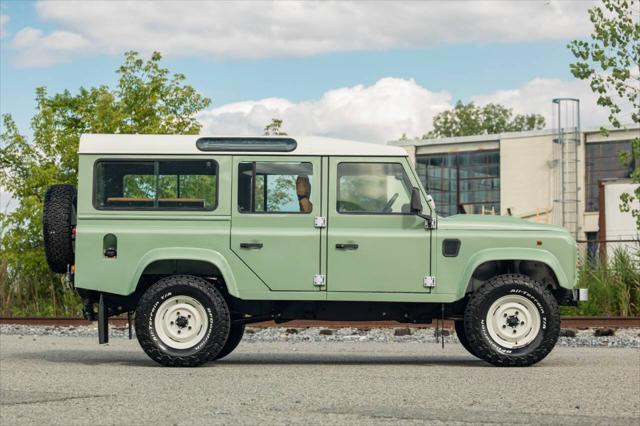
x,y
303,186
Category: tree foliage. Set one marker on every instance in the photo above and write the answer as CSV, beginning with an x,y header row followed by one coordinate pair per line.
x,y
471,119
610,62
274,128
146,99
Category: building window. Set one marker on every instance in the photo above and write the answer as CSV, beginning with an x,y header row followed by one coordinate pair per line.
x,y
466,182
592,247
156,185
603,162
266,187
373,188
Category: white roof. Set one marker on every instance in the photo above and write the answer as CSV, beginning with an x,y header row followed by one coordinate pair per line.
x,y
186,144
496,137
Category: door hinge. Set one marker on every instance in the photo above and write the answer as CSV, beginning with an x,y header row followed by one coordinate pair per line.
x,y
429,281
320,222
319,280
431,223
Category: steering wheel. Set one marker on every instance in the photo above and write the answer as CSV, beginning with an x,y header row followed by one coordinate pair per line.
x,y
387,207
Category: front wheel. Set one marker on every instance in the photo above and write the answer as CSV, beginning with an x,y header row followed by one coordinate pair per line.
x,y
512,321
182,321
462,337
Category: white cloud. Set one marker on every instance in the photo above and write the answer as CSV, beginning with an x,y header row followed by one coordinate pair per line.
x,y
389,108
4,20
536,95
376,113
34,49
268,29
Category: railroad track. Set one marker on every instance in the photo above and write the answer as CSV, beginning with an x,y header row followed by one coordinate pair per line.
x,y
567,322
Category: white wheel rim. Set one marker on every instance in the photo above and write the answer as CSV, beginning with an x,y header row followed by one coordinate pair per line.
x,y
513,321
181,322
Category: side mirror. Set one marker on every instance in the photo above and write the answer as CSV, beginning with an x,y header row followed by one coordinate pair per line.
x,y
416,208
416,203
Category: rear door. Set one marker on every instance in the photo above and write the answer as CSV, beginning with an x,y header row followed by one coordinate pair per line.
x,y
275,201
374,243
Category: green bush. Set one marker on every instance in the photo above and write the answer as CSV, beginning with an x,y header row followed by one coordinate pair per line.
x,y
146,99
613,282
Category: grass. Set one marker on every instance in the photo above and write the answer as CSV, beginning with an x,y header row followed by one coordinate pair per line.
x,y
613,282
29,295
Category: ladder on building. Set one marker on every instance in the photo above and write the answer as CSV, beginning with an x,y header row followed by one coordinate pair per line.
x,y
566,117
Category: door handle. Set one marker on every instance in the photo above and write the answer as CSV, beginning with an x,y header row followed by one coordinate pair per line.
x,y
251,245
343,246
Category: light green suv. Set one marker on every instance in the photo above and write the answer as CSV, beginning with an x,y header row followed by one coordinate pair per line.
x,y
200,236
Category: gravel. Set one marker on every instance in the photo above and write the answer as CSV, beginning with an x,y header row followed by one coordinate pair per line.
x,y
621,338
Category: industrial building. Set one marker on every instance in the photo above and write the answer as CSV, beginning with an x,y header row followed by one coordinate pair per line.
x,y
566,175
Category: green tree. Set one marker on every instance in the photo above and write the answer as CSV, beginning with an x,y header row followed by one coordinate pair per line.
x,y
610,62
471,119
282,189
146,99
274,128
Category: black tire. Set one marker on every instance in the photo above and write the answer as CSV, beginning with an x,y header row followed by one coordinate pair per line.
x,y
477,332
214,335
462,336
57,224
235,337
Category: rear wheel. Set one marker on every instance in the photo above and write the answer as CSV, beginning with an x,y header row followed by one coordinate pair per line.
x,y
512,321
235,337
182,321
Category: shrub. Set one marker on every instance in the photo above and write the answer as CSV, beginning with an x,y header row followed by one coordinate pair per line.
x,y
613,282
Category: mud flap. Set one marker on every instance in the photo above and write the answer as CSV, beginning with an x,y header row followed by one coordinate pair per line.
x,y
103,322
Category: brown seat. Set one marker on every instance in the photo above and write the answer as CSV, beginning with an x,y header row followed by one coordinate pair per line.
x,y
303,189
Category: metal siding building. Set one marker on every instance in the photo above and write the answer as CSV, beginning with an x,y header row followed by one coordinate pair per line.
x,y
522,174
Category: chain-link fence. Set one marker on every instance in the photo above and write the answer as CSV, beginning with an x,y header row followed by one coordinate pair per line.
x,y
591,252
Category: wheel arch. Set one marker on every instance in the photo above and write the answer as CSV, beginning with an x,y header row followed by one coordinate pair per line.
x,y
540,265
185,260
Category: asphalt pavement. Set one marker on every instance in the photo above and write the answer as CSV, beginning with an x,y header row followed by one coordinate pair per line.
x,y
72,380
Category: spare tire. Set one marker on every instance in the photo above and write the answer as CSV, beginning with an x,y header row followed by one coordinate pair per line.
x,y
57,225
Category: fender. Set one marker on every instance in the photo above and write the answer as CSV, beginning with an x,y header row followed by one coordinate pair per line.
x,y
537,255
185,253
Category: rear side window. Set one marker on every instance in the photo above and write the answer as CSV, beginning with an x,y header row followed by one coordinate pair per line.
x,y
156,185
266,187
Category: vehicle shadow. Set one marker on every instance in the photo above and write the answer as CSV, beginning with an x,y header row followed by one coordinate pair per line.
x,y
350,359
129,358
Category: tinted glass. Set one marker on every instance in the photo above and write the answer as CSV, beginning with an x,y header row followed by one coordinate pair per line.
x,y
466,182
265,187
603,162
374,188
246,144
188,185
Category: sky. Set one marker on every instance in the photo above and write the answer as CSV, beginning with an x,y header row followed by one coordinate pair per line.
x,y
368,71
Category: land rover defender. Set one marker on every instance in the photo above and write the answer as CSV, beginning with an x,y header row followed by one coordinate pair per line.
x,y
198,236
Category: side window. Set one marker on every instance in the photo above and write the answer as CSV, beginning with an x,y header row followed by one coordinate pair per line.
x,y
373,188
156,185
265,187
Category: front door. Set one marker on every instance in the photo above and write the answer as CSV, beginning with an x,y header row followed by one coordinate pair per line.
x,y
275,201
375,244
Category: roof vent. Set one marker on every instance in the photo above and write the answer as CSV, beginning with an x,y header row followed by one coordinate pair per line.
x,y
247,144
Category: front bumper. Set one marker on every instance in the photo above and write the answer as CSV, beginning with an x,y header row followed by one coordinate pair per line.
x,y
580,294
